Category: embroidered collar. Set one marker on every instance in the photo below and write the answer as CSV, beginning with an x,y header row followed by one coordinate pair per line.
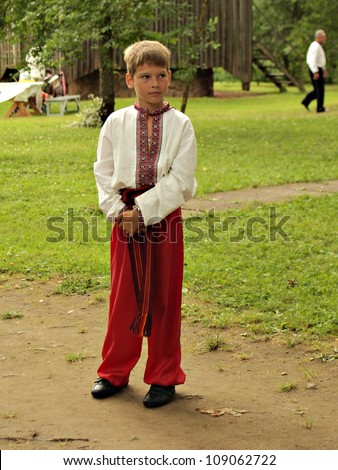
x,y
156,112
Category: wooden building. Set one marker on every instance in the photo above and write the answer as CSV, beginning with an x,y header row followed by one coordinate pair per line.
x,y
233,33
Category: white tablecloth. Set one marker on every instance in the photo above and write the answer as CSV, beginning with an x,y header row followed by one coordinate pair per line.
x,y
20,91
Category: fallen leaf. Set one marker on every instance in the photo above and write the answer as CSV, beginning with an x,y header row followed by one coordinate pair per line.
x,y
222,411
192,397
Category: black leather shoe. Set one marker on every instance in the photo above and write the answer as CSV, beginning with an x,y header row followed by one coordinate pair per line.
x,y
158,395
102,388
306,105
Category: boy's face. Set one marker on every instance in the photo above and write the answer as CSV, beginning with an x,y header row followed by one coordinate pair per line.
x,y
150,83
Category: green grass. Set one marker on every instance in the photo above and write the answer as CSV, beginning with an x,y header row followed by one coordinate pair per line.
x,y
76,357
78,285
11,315
51,226
214,343
287,387
262,140
239,272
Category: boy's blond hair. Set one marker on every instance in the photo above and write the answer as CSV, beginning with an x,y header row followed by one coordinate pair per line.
x,y
150,52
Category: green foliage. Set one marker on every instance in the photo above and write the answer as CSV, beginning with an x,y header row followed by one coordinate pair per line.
x,y
63,26
221,75
287,27
90,114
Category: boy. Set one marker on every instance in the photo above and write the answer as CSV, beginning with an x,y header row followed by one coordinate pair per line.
x,y
144,172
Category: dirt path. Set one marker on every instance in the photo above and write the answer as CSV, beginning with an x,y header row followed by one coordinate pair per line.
x,y
46,402
265,195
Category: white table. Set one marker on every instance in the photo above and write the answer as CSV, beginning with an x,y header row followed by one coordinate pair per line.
x,y
21,94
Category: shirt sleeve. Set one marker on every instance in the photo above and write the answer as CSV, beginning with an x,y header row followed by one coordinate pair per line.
x,y
311,59
177,186
110,201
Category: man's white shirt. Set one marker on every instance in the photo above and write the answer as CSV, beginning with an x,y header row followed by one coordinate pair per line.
x,y
315,57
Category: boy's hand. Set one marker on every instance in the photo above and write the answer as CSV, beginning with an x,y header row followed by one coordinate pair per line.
x,y
128,221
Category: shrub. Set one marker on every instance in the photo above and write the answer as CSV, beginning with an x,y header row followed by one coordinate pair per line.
x,y
90,116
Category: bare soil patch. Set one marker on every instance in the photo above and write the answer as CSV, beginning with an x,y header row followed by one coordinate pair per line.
x,y
46,401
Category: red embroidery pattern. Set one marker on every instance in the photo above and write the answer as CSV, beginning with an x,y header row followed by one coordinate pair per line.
x,y
147,157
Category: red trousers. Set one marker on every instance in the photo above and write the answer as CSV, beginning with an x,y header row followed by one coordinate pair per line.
x,y
121,349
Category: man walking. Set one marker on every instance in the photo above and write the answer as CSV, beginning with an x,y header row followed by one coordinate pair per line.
x,y
316,62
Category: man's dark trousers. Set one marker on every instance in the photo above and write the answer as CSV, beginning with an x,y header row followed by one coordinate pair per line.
x,y
318,91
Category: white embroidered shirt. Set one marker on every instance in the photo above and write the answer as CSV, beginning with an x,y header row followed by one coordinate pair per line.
x,y
169,163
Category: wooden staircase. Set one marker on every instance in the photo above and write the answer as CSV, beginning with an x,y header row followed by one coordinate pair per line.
x,y
272,69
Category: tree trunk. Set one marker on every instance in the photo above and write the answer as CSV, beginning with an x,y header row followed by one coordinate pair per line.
x,y
185,97
246,86
107,92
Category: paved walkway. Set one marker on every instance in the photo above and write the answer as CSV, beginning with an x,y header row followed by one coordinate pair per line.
x,y
263,195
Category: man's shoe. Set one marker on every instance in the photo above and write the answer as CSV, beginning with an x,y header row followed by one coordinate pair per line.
x,y
158,395
323,110
102,388
306,105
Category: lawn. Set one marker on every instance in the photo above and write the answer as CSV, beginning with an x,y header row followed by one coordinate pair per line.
x,y
51,226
